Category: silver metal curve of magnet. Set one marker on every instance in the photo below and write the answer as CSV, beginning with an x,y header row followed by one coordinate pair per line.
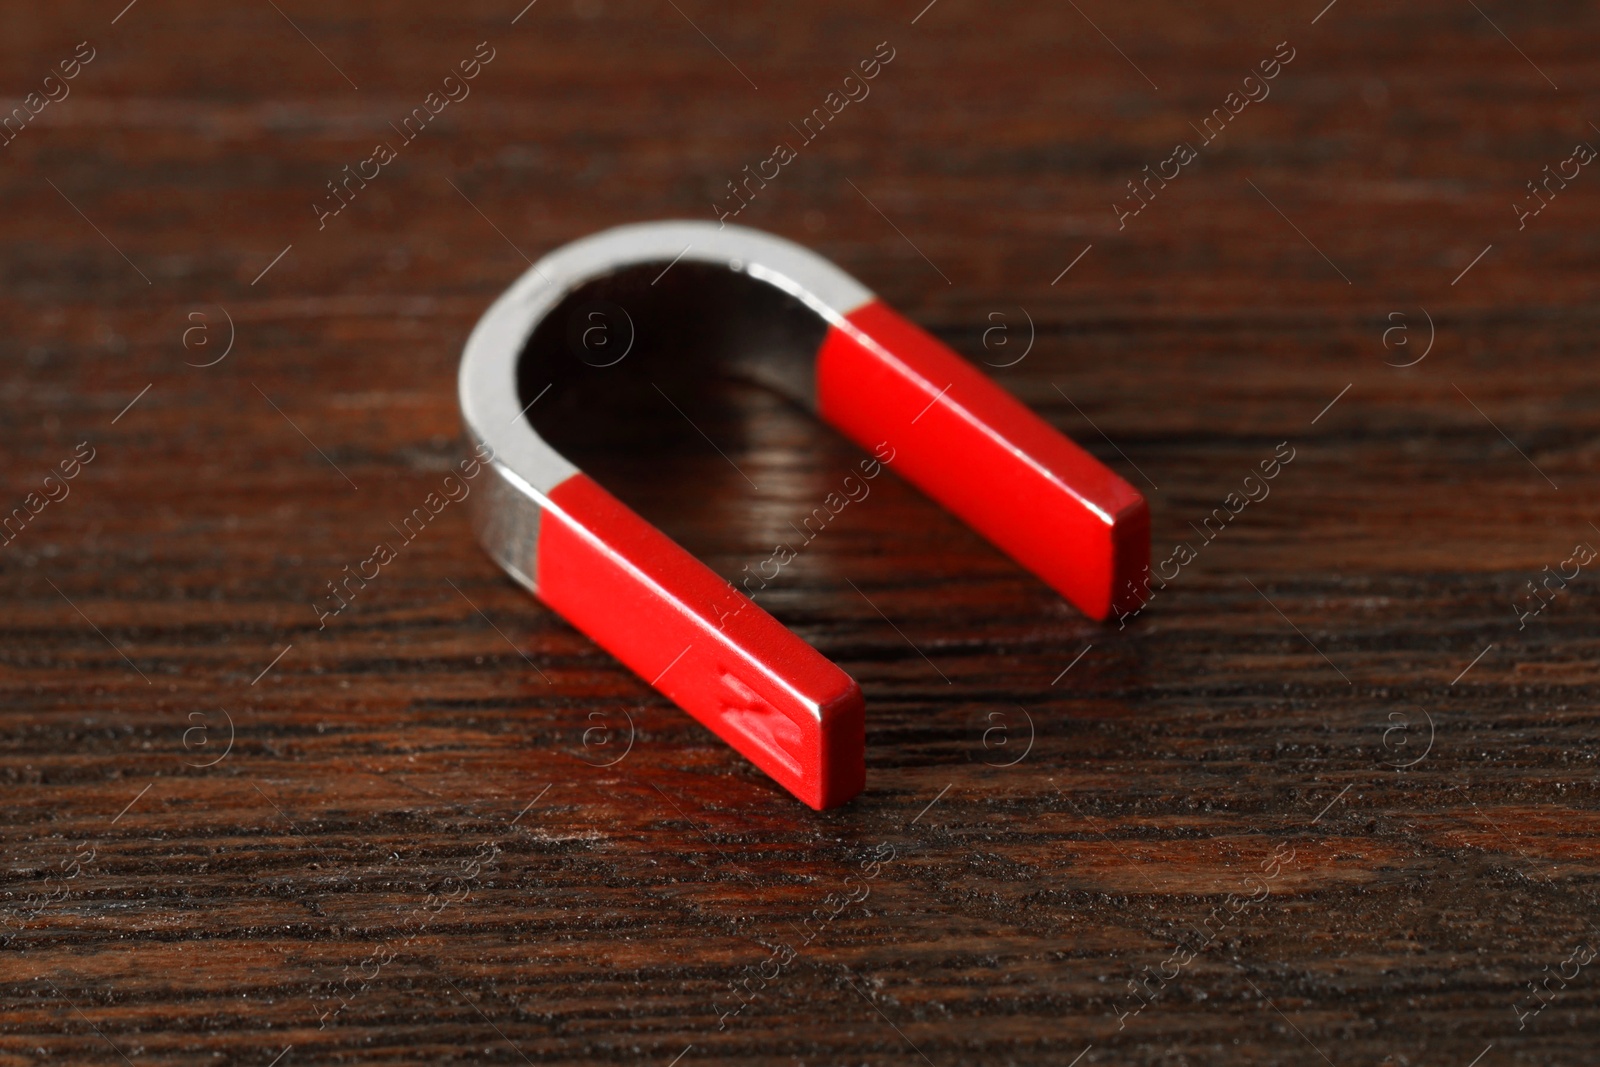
x,y
525,468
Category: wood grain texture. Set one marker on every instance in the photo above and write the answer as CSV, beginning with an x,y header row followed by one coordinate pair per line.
x,y
412,851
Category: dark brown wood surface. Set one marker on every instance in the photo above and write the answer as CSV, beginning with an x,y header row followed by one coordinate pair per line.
x,y
1328,800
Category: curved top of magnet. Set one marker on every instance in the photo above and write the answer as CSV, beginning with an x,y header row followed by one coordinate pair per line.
x,y
491,403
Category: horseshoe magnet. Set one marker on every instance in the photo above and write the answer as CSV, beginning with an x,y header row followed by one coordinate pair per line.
x,y
766,308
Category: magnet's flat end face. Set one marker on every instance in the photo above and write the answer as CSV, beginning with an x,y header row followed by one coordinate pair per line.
x,y
842,747
1130,560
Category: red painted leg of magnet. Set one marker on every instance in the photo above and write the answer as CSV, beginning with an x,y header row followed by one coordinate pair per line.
x,y
971,446
703,644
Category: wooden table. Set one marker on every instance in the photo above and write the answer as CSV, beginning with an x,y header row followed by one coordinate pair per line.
x,y
1332,798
